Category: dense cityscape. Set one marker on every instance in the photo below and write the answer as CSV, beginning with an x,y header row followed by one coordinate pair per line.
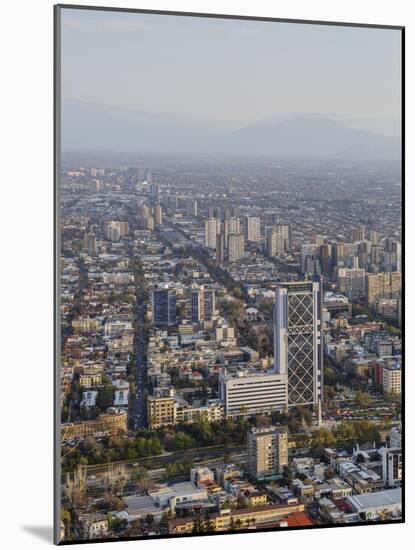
x,y
231,344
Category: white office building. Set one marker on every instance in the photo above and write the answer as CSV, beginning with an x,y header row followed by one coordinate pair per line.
x,y
248,392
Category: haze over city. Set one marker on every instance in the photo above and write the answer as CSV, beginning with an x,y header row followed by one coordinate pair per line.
x,y
220,76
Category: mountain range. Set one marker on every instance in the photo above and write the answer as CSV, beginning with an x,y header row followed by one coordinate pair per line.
x,y
97,127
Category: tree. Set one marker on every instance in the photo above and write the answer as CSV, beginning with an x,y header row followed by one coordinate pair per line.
x,y
208,526
293,425
329,393
164,521
323,437
141,476
115,479
110,502
75,487
266,308
115,524
287,474
363,399
105,397
263,420
183,441
66,519
367,431
345,431
237,292
329,376
90,444
392,330
154,446
205,427
198,524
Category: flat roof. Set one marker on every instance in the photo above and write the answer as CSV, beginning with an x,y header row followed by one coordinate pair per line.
x,y
390,497
186,487
140,505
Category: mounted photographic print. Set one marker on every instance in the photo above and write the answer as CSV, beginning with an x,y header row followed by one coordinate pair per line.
x,y
229,258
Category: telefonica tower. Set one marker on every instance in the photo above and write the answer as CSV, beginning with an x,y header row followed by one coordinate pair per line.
x,y
298,349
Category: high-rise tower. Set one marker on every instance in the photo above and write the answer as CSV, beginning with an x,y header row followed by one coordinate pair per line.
x,y
164,307
298,348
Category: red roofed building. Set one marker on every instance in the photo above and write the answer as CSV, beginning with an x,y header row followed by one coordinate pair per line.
x,y
299,519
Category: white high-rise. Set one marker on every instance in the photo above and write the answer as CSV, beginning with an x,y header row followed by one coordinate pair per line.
x,y
212,229
252,228
231,226
298,346
236,247
275,243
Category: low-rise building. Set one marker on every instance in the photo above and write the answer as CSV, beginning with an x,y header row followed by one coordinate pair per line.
x,y
89,398
245,518
90,379
113,423
161,411
121,398
201,475
86,325
379,505
168,496
304,491
187,414
93,526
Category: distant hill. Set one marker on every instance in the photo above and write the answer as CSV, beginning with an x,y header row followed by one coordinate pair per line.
x,y
309,137
93,126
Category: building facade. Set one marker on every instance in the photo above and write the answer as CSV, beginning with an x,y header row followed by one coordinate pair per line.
x,y
275,243
391,379
202,304
164,307
113,423
161,411
236,247
267,451
298,349
392,466
252,228
212,228
248,393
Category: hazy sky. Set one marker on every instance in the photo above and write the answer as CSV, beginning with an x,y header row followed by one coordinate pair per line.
x,y
231,72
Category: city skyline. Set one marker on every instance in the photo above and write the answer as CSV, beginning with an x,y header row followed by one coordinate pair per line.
x,y
231,353
218,335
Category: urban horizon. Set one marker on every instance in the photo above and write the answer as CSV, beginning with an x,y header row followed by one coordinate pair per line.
x,y
230,309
